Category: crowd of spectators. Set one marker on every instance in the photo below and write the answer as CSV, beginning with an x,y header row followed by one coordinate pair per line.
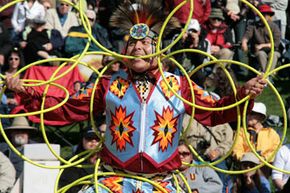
x,y
33,30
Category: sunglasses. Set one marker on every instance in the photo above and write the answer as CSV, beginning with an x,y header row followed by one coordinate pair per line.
x,y
184,153
16,59
63,4
192,31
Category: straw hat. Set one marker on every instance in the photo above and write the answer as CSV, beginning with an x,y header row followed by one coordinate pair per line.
x,y
20,123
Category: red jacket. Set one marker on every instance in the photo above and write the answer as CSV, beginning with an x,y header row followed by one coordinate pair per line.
x,y
222,37
201,10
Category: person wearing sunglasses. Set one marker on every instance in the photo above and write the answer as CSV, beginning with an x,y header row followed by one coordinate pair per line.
x,y
61,18
219,35
200,179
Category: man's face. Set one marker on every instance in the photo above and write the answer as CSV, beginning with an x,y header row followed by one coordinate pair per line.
x,y
140,48
215,22
185,156
63,8
19,137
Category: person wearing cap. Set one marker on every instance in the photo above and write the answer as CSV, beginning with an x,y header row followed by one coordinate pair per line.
x,y
264,139
257,34
89,141
23,13
143,115
252,181
200,179
219,35
280,9
19,133
192,39
38,42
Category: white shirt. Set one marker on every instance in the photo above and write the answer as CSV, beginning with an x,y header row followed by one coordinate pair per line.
x,y
282,161
22,12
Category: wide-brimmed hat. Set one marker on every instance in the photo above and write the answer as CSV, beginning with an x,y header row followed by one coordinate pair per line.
x,y
20,123
266,9
260,108
250,157
216,13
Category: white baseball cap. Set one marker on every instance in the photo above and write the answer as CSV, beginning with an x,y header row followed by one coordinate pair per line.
x,y
193,24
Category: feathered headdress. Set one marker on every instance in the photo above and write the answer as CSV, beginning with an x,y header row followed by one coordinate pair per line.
x,y
142,18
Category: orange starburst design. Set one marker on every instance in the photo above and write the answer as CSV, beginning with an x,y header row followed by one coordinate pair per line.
x,y
119,87
164,128
113,183
122,128
163,185
173,83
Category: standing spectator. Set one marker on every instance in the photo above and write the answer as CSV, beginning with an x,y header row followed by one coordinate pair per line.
x,y
201,10
219,35
61,18
23,13
200,179
259,35
279,7
7,174
282,162
19,133
253,181
5,43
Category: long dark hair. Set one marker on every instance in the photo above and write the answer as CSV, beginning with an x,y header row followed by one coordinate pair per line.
x,y
17,51
239,182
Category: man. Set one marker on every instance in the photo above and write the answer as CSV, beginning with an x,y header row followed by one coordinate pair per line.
x,y
61,18
143,115
200,179
260,37
19,133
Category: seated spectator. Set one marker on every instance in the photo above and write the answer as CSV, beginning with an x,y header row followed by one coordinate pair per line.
x,y
280,179
211,143
19,133
253,181
41,43
219,35
61,18
260,39
200,179
7,174
23,13
77,37
89,141
265,140
193,38
15,61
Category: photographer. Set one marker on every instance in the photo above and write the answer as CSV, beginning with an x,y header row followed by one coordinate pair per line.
x,y
193,38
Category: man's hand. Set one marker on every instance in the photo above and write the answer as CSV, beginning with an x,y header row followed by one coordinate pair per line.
x,y
14,84
255,86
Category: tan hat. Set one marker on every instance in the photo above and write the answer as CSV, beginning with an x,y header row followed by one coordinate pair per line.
x,y
20,123
250,157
